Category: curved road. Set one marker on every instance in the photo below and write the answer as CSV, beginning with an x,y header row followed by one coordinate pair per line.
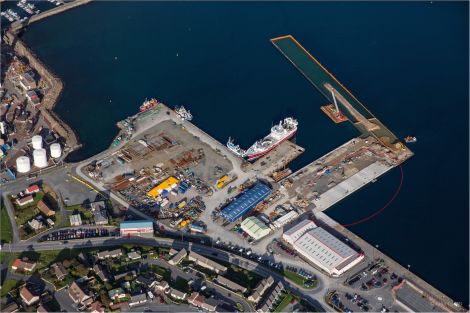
x,y
314,296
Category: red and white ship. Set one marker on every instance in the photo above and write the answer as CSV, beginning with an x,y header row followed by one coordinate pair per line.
x,y
148,104
285,130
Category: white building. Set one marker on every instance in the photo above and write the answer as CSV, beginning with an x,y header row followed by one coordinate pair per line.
x,y
75,220
286,218
322,248
255,228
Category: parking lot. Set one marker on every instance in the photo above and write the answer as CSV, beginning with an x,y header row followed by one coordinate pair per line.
x,y
79,233
376,275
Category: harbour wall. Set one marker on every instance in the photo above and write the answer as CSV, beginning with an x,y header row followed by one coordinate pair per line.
x,y
52,94
16,26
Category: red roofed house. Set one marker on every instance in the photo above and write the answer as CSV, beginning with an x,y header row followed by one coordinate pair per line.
x,y
23,265
32,189
45,209
96,307
28,297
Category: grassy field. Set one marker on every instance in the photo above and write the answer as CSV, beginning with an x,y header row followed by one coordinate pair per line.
x,y
8,285
297,279
284,303
5,227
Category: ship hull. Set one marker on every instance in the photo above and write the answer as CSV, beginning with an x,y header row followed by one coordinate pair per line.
x,y
252,157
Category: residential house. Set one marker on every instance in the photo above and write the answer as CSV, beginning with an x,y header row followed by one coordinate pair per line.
x,y
59,271
200,301
99,212
25,200
230,284
271,298
176,259
44,209
41,309
32,189
162,286
23,265
33,97
28,297
260,289
109,254
10,308
124,274
176,294
102,272
35,225
121,306
97,307
116,294
147,281
134,255
137,299
207,263
78,294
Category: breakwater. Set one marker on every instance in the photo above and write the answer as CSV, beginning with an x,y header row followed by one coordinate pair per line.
x,y
52,92
16,26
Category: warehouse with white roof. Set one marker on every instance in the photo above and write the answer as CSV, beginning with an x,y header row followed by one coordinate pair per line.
x,y
255,228
322,248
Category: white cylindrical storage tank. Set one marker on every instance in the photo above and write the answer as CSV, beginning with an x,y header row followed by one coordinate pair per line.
x,y
40,158
37,142
23,165
56,150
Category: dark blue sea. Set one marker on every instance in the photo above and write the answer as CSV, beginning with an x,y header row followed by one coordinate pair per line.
x,y
406,61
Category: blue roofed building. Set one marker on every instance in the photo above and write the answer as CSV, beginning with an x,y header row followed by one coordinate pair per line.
x,y
136,228
246,202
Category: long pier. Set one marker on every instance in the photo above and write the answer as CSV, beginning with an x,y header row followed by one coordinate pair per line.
x,y
370,127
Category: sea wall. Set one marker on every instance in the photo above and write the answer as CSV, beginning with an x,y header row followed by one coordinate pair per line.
x,y
16,26
51,93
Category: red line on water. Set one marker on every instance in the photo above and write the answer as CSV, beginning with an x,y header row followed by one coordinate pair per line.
x,y
365,219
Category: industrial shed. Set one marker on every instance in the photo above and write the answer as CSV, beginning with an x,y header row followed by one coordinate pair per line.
x,y
243,204
255,228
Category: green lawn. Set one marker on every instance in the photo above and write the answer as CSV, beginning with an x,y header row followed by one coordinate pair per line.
x,y
8,285
239,275
284,303
180,284
297,279
5,227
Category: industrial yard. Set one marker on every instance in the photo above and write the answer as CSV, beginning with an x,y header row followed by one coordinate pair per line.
x,y
164,171
341,172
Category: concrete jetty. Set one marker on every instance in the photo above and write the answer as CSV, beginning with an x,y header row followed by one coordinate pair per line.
x,y
18,25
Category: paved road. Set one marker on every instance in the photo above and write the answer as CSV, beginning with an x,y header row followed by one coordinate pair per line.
x,y
310,295
11,216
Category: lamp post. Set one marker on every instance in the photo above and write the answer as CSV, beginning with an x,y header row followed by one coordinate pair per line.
x,y
376,247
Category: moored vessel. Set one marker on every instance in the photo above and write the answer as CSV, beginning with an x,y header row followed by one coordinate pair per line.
x,y
148,104
410,139
184,114
285,130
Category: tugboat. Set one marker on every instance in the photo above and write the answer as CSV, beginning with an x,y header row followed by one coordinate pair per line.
x,y
184,114
410,139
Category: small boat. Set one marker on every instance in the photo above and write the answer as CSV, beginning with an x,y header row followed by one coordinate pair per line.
x,y
184,114
148,104
410,139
